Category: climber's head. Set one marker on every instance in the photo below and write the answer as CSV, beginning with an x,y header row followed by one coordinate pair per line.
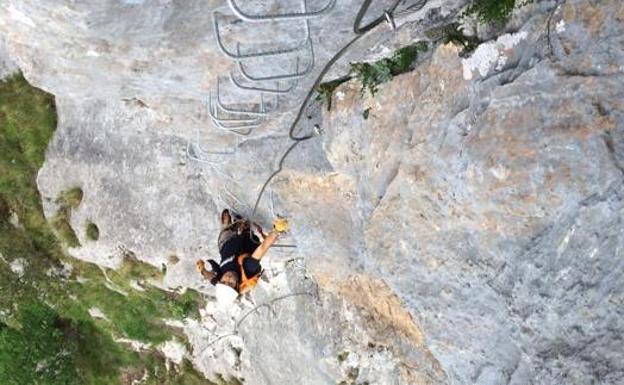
x,y
229,278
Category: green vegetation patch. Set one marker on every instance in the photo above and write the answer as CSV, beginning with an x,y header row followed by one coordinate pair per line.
x,y
134,269
27,122
38,351
67,200
495,12
47,336
491,11
371,75
133,313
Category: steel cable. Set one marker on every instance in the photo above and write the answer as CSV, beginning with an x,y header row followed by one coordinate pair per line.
x,y
360,32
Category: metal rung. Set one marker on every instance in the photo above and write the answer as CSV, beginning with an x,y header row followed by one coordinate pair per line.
x,y
231,110
208,152
213,114
239,56
295,75
238,84
191,154
279,17
236,127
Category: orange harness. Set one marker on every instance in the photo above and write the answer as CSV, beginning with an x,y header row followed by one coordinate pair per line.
x,y
246,283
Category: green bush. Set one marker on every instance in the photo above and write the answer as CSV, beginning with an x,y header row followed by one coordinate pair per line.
x,y
60,223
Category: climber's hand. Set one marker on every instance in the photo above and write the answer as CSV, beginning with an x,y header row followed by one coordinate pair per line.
x,y
200,265
281,225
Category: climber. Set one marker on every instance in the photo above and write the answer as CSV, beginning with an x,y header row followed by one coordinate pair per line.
x,y
241,252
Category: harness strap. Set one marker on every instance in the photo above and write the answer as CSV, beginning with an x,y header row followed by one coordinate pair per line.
x,y
246,283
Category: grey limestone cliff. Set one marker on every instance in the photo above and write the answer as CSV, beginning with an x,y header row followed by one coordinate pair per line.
x,y
466,229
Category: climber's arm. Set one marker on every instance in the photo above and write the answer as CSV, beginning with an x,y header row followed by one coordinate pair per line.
x,y
261,250
201,267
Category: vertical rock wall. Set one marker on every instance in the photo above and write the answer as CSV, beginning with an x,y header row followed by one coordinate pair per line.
x,y
490,196
468,231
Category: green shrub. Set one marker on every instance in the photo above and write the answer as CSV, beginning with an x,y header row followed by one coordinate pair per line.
x,y
371,75
491,11
494,11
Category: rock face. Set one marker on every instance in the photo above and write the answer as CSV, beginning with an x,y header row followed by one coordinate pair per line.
x,y
468,230
7,66
492,198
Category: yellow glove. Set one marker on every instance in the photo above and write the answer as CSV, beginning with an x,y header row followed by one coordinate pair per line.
x,y
280,225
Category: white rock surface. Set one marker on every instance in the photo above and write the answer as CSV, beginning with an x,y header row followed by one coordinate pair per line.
x,y
7,65
96,312
173,350
18,266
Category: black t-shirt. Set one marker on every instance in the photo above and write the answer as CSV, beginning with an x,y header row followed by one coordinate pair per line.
x,y
239,244
251,265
